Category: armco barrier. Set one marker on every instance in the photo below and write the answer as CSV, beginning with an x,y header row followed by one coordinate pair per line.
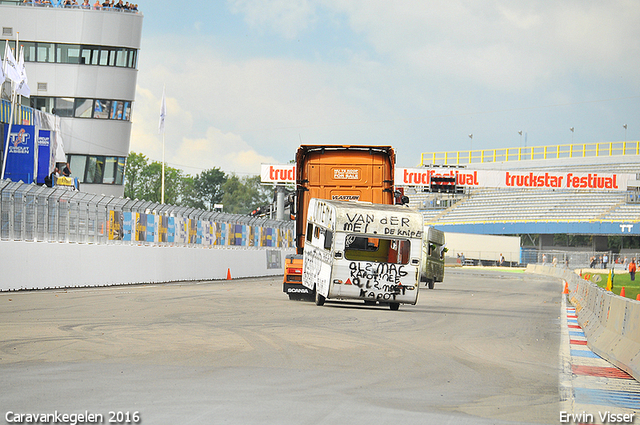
x,y
611,323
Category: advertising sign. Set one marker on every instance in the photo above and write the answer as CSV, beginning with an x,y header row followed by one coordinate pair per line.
x,y
515,179
46,160
277,173
21,155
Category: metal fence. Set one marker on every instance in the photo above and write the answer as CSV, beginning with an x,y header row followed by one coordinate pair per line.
x,y
29,212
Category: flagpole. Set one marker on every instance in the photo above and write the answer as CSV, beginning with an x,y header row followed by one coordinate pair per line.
x,y
163,113
6,146
162,197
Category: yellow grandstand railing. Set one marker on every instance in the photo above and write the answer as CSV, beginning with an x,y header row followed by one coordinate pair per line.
x,y
530,153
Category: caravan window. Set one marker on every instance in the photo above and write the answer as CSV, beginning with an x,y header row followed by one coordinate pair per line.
x,y
380,250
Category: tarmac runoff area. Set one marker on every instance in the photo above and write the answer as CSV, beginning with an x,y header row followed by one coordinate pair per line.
x,y
483,347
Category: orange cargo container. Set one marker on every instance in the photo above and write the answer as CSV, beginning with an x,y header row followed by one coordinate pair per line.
x,y
363,173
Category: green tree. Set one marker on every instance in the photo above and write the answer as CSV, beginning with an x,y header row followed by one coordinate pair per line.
x,y
208,188
243,195
136,163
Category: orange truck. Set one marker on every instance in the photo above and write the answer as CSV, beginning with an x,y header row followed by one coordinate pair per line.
x,y
360,173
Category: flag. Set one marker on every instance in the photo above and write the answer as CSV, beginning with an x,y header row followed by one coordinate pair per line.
x,y
10,65
22,88
163,112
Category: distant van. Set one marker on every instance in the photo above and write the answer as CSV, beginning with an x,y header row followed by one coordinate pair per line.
x,y
362,251
433,250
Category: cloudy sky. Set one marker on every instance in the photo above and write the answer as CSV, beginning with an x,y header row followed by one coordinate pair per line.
x,y
248,81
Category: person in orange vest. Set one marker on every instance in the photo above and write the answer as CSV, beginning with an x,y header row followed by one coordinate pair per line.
x,y
632,269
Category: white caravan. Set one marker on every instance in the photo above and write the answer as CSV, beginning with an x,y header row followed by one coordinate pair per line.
x,y
362,251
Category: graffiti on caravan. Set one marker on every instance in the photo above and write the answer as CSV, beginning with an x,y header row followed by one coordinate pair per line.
x,y
378,281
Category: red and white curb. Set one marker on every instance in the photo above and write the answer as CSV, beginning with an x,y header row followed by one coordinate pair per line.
x,y
592,391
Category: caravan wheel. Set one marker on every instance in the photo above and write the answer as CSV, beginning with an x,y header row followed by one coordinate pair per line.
x,y
319,298
431,283
394,306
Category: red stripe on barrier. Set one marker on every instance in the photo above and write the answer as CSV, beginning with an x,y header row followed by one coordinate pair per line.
x,y
574,326
571,317
604,372
577,342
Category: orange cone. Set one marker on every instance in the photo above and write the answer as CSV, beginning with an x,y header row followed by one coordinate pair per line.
x,y
638,297
622,292
566,288
228,274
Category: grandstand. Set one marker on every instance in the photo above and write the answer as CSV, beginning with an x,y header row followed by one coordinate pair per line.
x,y
544,211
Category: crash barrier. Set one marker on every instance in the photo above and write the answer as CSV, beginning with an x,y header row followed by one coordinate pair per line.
x,y
41,214
611,323
59,238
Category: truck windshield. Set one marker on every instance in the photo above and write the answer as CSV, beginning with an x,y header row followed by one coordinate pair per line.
x,y
379,250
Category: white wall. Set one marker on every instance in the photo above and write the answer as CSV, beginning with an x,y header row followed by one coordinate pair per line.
x,y
39,265
483,247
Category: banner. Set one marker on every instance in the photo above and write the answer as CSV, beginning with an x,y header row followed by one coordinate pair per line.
x,y
274,173
21,155
515,179
46,160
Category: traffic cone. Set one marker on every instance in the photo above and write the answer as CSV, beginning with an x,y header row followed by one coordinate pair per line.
x,y
228,274
566,288
638,297
622,292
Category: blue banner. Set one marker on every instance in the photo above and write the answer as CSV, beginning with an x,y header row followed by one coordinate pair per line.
x,y
21,155
128,224
171,230
44,154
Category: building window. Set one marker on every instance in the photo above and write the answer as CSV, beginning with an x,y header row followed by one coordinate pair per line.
x,y
45,52
77,54
97,169
68,53
83,108
63,107
101,109
29,51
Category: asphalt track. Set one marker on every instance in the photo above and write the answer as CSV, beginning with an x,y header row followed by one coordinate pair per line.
x,y
481,348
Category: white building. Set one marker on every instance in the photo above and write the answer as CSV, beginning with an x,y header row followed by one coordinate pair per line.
x,y
82,65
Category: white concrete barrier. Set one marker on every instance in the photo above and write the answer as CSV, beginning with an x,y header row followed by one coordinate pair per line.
x,y
40,265
611,323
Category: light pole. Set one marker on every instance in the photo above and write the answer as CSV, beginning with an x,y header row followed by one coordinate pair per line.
x,y
572,130
520,133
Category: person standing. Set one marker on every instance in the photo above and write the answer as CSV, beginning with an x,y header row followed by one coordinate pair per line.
x,y
605,260
632,269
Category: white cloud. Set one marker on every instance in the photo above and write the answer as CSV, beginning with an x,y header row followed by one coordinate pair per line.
x,y
285,17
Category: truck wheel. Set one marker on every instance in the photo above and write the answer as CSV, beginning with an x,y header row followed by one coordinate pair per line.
x,y
394,306
431,283
319,299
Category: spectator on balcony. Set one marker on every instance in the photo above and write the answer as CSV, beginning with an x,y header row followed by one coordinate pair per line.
x,y
85,4
97,5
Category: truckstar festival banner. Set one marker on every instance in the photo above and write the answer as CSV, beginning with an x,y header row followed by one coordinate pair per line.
x,y
515,179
